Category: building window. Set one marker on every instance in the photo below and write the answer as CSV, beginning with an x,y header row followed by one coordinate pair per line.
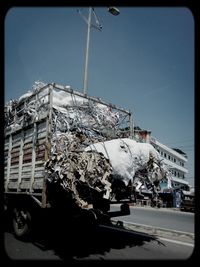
x,y
161,153
169,157
165,155
174,173
174,160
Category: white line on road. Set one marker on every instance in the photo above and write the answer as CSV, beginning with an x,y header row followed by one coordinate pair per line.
x,y
177,242
159,228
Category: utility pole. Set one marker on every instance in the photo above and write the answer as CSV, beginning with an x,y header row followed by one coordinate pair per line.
x,y
114,11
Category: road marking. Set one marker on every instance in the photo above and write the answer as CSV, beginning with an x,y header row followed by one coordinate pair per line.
x,y
158,237
177,242
159,228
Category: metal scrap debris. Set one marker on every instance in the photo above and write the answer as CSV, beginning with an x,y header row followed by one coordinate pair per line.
x,y
78,125
76,170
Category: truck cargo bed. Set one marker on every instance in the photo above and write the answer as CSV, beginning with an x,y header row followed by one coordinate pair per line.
x,y
34,119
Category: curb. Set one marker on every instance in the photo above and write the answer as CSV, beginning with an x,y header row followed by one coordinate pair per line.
x,y
155,208
158,231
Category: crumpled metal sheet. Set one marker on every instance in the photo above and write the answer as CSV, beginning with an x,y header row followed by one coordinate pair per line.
x,y
93,121
77,171
70,113
74,164
26,108
76,124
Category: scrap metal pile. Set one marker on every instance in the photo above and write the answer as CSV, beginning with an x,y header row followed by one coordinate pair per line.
x,y
90,148
83,174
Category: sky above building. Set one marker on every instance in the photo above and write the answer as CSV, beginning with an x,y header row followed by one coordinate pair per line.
x,y
142,60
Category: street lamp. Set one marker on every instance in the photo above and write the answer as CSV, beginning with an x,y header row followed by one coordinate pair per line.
x,y
114,11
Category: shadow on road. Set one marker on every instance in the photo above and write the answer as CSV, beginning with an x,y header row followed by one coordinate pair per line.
x,y
79,239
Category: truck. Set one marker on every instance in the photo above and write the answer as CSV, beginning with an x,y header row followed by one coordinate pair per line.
x,y
70,156
187,200
46,166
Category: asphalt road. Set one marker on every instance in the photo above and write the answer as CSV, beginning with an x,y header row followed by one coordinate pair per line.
x,y
159,217
71,243
103,245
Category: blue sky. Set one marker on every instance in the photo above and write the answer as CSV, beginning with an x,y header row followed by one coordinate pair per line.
x,y
142,60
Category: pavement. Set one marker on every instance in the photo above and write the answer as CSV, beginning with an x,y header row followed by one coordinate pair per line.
x,y
158,231
149,207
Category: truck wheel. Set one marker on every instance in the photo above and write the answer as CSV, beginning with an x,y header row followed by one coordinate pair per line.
x,y
21,223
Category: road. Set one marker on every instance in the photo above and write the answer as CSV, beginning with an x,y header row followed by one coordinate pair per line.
x,y
103,245
77,243
162,218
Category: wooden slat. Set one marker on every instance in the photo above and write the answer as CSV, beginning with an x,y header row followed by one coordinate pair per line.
x,y
38,175
14,176
24,161
27,151
26,170
38,184
14,170
42,141
12,185
25,176
27,158
25,185
14,154
26,164
41,135
27,145
16,145
28,140
33,157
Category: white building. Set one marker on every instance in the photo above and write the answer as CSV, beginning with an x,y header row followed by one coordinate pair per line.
x,y
176,160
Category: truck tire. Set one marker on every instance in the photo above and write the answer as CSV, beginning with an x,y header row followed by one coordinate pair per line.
x,y
21,223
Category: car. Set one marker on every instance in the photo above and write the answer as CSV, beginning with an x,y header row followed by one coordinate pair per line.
x,y
188,201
